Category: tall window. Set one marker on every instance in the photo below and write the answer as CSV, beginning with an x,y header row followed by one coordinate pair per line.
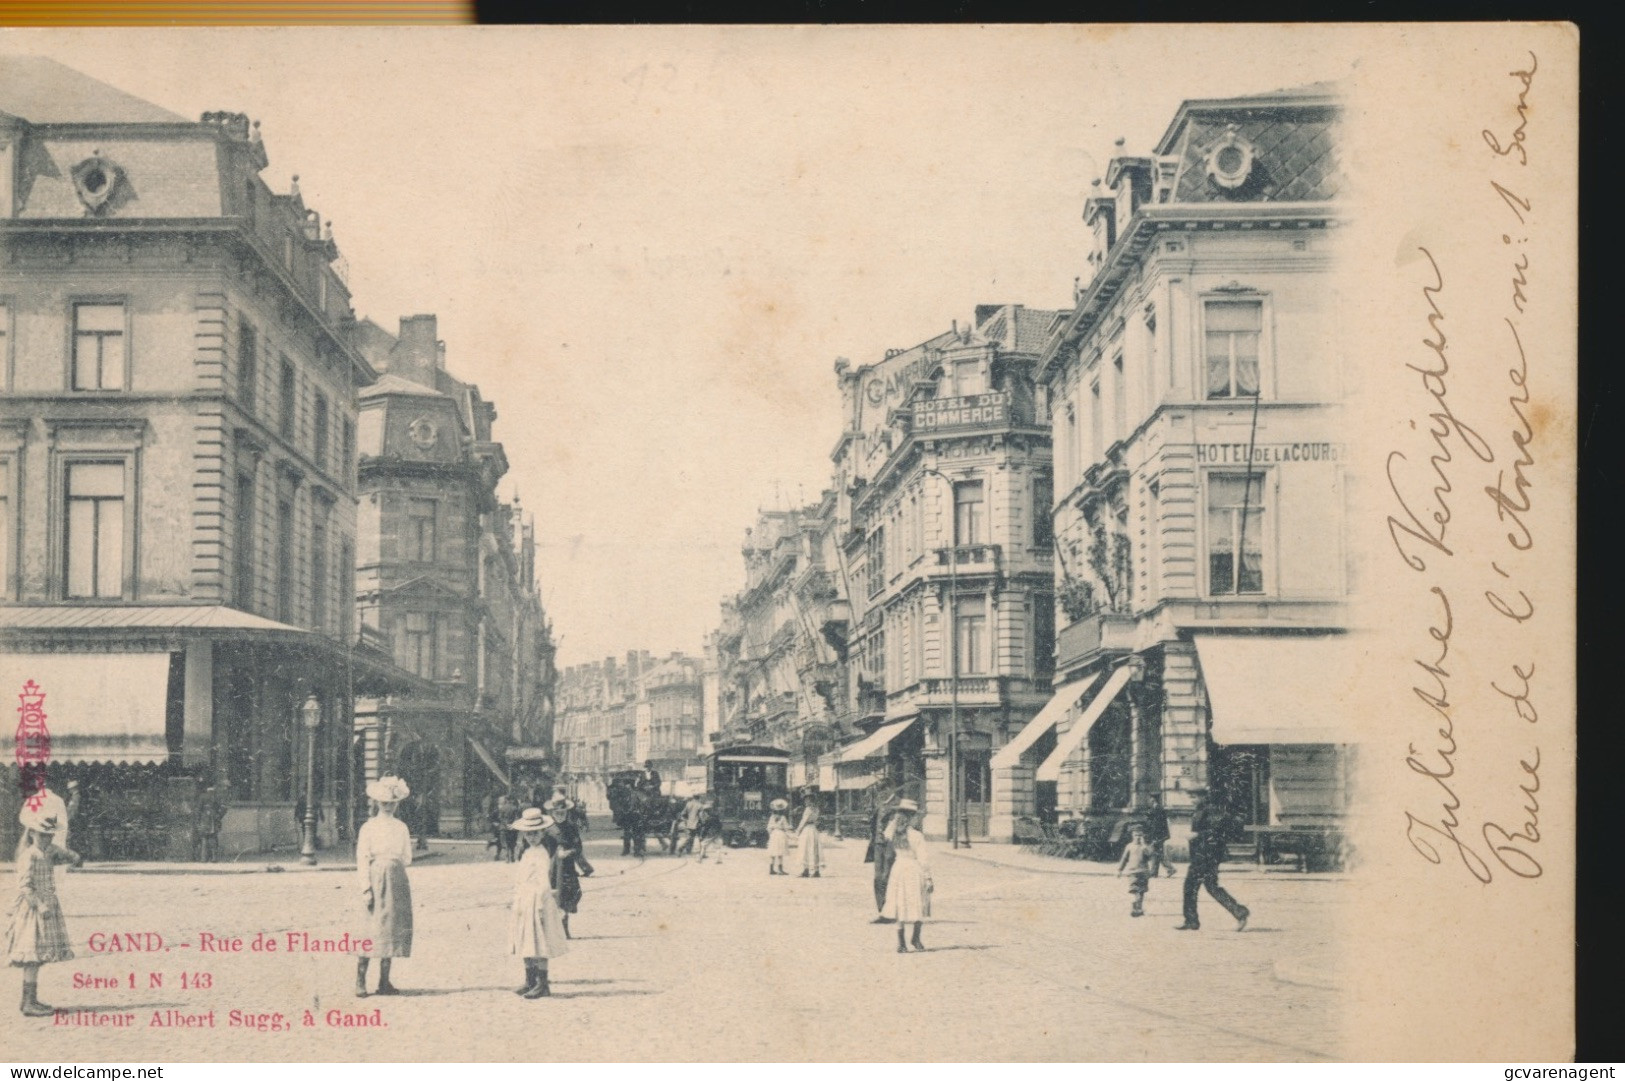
x,y
968,378
418,640
284,560
318,571
243,579
875,553
98,347
318,418
5,345
970,525
1235,523
285,417
1120,419
248,366
346,447
1233,328
347,597
1097,432
971,617
1043,505
420,538
95,529
1043,623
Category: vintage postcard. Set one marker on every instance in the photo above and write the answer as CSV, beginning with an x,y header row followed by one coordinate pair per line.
x,y
1093,508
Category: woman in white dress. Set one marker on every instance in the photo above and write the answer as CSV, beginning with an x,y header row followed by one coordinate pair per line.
x,y
807,838
778,837
908,891
383,850
536,932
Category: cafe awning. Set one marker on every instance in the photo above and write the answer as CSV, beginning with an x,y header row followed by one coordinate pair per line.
x,y
1045,719
99,707
489,759
871,746
1073,738
1277,688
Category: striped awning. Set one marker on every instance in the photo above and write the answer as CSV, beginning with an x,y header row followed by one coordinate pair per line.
x,y
1073,738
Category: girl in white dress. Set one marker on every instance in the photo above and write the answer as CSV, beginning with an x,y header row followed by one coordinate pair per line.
x,y
778,837
536,932
908,892
383,850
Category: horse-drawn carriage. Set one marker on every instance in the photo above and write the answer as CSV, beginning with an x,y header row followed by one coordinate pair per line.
x,y
640,813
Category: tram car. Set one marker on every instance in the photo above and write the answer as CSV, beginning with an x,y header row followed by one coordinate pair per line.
x,y
744,781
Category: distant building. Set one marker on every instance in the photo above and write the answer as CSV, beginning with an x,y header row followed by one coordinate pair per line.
x,y
1200,490
782,677
446,581
944,480
177,469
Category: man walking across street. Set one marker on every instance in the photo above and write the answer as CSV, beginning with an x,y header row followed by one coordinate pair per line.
x,y
1207,850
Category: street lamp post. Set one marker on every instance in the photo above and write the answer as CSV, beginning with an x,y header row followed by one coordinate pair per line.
x,y
952,636
311,714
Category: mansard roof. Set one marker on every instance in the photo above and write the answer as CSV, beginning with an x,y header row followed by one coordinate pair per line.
x,y
42,91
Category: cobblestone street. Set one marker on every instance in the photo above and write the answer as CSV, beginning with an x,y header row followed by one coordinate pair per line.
x,y
1029,959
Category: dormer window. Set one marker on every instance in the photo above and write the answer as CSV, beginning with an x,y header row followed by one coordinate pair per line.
x,y
969,378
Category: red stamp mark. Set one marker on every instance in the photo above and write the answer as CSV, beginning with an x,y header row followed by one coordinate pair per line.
x,y
33,744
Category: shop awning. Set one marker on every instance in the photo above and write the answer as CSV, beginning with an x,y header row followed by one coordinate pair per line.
x,y
870,746
1045,719
489,759
1277,688
859,773
99,707
1050,770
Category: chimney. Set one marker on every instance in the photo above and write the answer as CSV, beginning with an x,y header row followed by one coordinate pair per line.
x,y
417,350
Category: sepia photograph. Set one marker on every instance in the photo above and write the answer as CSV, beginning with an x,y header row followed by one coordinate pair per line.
x,y
1093,506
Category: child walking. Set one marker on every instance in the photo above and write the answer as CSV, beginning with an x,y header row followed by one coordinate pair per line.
x,y
537,929
1140,861
778,837
37,934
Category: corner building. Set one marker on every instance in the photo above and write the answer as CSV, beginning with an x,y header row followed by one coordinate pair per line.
x,y
177,468
1200,510
944,476
446,585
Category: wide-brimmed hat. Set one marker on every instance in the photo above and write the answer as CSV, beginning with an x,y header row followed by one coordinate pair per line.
x,y
40,821
779,804
908,805
530,820
388,790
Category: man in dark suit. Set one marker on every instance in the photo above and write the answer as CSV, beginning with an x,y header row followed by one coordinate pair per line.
x,y
649,780
881,853
1209,830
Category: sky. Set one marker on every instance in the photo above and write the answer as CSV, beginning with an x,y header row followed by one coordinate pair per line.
x,y
649,245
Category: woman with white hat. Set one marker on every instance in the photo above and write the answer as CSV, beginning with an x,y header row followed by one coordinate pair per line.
x,y
37,933
908,891
383,849
536,932
778,836
807,836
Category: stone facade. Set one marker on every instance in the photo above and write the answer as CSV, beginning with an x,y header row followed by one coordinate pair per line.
x,y
1200,493
177,469
446,581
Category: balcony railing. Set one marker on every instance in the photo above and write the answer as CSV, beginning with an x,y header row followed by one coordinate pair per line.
x,y
1104,632
971,558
